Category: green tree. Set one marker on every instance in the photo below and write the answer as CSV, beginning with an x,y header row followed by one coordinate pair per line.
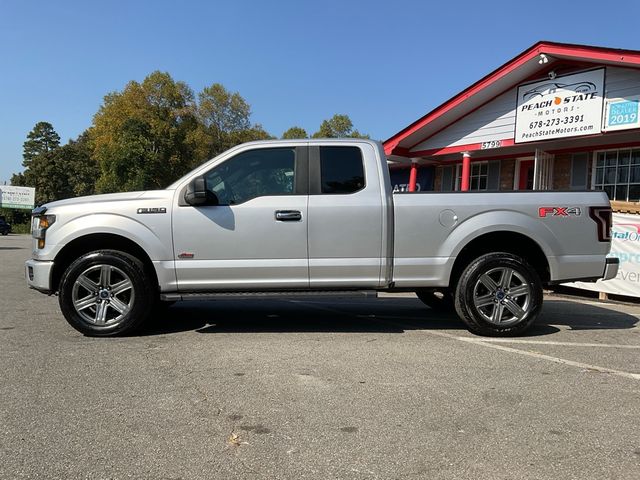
x,y
132,162
17,179
149,124
41,139
251,134
295,132
224,121
222,110
56,171
48,176
338,126
38,159
80,168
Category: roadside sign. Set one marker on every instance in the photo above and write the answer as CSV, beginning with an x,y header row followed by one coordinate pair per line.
x,y
621,114
625,245
17,197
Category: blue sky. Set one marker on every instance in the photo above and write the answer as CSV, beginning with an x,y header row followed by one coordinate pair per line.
x,y
383,63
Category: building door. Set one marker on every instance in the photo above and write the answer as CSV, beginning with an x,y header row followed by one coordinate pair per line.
x,y
525,175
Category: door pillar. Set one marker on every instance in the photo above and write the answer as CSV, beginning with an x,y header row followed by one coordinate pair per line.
x,y
466,172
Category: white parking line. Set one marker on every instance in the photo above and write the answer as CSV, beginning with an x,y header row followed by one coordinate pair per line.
x,y
547,342
484,342
597,326
541,356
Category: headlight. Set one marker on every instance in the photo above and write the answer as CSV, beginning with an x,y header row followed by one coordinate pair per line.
x,y
39,226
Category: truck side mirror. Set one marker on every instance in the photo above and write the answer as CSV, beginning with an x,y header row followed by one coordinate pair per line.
x,y
197,193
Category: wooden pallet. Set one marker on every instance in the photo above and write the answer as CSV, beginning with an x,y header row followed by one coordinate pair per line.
x,y
625,207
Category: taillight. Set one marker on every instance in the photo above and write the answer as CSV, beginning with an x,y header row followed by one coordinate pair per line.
x,y
602,217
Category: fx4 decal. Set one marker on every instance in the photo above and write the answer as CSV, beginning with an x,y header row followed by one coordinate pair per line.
x,y
559,212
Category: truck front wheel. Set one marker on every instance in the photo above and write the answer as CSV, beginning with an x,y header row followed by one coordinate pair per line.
x,y
498,294
106,293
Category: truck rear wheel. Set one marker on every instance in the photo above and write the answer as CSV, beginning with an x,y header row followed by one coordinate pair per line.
x,y
106,293
498,294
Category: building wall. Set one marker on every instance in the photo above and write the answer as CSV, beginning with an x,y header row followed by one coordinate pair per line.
x,y
493,121
437,180
562,172
621,82
507,172
496,119
506,175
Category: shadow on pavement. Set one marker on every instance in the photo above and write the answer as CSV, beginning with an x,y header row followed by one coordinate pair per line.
x,y
384,315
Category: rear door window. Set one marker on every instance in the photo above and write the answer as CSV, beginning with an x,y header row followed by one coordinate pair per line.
x,y
341,170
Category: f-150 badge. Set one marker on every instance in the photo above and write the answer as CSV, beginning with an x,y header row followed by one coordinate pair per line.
x,y
152,210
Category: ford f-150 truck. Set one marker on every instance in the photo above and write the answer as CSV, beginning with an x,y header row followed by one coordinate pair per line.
x,y
314,217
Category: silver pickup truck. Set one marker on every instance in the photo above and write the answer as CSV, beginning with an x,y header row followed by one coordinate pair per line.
x,y
314,217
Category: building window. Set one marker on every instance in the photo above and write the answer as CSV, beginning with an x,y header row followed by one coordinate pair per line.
x,y
617,172
478,178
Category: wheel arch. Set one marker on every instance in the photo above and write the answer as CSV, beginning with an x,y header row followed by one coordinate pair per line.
x,y
98,241
502,241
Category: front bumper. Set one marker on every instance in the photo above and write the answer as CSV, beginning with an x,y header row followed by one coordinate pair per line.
x,y
611,268
38,274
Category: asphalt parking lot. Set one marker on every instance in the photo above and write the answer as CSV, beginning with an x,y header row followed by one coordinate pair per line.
x,y
341,388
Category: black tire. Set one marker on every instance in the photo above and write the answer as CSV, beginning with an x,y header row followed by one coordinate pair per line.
x,y
5,233
104,277
437,299
485,298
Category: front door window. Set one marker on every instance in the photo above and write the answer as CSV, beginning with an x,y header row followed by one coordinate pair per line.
x,y
251,174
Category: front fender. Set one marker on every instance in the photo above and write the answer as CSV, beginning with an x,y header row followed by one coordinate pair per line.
x,y
154,237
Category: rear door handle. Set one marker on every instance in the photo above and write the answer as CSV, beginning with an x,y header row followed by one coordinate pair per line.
x,y
288,215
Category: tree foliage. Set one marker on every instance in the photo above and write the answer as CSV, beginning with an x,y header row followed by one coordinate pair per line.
x,y
42,139
338,126
224,121
56,171
81,169
140,135
294,133
145,137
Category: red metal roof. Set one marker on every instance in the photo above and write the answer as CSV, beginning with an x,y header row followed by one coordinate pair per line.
x,y
507,76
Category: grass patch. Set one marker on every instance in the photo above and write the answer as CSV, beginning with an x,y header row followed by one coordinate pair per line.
x,y
21,228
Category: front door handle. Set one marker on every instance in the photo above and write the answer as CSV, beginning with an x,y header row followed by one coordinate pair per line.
x,y
288,215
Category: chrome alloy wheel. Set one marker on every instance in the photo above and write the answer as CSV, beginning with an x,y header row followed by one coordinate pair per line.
x,y
502,296
102,295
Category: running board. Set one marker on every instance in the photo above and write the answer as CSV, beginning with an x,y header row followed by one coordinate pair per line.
x,y
298,294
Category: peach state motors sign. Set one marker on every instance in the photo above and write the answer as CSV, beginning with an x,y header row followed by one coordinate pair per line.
x,y
565,106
